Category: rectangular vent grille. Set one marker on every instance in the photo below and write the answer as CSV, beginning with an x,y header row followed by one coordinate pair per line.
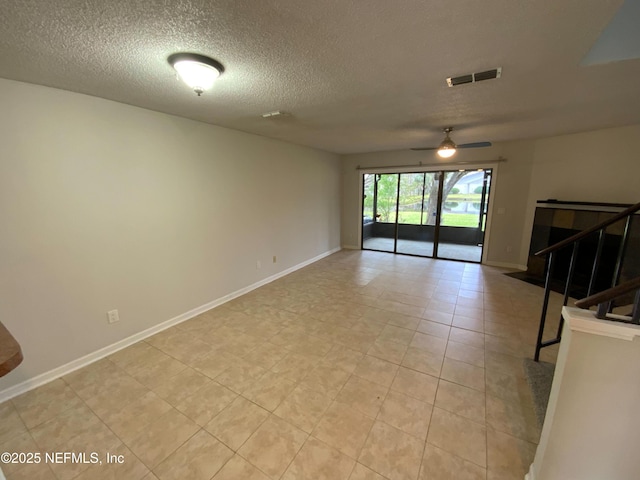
x,y
474,77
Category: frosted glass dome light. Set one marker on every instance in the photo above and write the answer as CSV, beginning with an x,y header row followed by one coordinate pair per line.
x,y
197,71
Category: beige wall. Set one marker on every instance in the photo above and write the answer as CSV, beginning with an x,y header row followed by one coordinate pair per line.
x,y
106,206
599,166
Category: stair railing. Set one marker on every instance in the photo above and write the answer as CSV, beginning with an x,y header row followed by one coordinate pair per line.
x,y
604,301
574,241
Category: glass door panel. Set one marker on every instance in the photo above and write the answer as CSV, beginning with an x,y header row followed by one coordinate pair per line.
x,y
379,229
417,213
463,219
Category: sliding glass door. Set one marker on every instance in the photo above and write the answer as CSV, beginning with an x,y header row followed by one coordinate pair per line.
x,y
417,213
432,214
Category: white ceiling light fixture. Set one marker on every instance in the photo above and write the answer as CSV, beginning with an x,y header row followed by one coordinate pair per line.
x,y
447,148
197,71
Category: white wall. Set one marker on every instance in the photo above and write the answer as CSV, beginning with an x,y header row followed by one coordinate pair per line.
x,y
107,206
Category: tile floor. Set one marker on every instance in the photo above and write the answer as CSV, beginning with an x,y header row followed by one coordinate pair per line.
x,y
362,366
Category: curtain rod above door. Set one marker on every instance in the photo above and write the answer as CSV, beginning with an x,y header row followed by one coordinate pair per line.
x,y
436,164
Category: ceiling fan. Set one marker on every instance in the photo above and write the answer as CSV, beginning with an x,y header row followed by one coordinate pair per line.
x,y
448,148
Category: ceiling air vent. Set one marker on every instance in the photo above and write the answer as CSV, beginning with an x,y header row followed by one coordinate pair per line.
x,y
474,77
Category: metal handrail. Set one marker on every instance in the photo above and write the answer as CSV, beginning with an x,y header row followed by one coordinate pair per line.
x,y
609,294
580,235
604,307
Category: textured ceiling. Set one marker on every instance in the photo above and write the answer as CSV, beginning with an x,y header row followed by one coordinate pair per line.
x,y
356,76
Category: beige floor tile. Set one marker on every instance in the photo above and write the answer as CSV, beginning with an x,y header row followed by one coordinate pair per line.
x,y
508,457
128,421
437,304
96,438
95,378
434,329
343,358
406,321
17,444
131,468
502,363
303,408
463,401
415,384
270,390
240,376
266,355
199,458
295,366
437,316
360,472
326,379
358,341
469,311
272,446
463,374
32,472
318,461
376,370
440,465
474,324
206,402
468,337
392,333
344,428
236,423
434,345
239,469
181,345
423,361
392,453
11,425
162,437
363,395
406,413
44,403
390,351
513,418
214,363
62,428
465,353
508,387
177,388
151,374
459,436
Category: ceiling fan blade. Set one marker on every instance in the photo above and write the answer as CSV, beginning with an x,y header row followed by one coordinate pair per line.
x,y
425,148
474,145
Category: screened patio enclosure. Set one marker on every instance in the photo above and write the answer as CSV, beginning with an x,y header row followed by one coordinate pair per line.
x,y
430,214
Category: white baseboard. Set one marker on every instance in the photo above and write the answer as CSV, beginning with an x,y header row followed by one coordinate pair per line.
x,y
515,266
67,368
531,475
351,247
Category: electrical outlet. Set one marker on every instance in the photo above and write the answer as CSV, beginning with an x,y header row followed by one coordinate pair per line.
x,y
274,259
509,249
113,316
258,265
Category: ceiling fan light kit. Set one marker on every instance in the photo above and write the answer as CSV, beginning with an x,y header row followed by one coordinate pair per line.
x,y
197,71
447,148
